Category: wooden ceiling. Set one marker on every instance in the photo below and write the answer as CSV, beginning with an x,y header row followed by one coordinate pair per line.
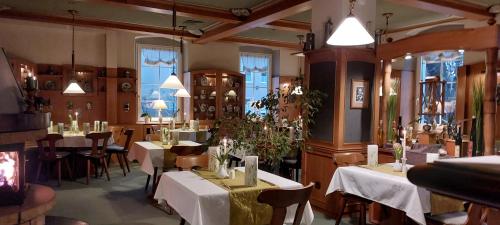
x,y
272,22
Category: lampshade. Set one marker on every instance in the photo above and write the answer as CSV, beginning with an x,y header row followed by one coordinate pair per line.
x,y
183,93
349,33
73,88
172,82
159,104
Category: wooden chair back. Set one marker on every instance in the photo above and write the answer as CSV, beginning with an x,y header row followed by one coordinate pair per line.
x,y
280,199
128,138
189,162
48,153
187,150
348,159
117,132
96,137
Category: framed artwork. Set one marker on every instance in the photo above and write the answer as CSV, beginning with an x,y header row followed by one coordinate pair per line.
x,y
360,94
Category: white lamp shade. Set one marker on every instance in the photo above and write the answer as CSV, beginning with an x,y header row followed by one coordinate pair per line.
x,y
73,88
159,104
350,33
172,82
183,93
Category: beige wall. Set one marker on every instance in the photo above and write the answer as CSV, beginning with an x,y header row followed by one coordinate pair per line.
x,y
51,43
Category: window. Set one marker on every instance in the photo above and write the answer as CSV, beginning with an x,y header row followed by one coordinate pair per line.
x,y
156,65
445,65
257,69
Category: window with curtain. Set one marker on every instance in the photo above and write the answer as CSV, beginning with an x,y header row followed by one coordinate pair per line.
x,y
156,64
257,70
445,65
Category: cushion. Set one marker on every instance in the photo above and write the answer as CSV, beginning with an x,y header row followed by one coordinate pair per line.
x,y
454,218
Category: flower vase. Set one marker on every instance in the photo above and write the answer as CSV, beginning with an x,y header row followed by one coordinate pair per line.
x,y
396,166
222,170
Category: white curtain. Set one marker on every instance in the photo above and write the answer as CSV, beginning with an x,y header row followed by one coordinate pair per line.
x,y
157,57
254,63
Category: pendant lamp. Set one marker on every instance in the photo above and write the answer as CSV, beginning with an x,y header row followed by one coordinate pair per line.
x,y
350,32
73,87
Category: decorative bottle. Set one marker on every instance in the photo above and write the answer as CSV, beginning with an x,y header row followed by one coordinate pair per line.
x,y
380,134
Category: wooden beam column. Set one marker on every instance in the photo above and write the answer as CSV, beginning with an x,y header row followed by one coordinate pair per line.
x,y
387,70
489,103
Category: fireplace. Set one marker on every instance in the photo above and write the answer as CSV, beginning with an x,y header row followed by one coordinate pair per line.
x,y
16,127
12,177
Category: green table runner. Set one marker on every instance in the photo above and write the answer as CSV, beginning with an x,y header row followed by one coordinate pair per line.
x,y
244,208
168,156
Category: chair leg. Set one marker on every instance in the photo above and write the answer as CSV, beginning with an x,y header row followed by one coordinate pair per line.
x,y
297,178
183,221
362,214
126,162
343,203
120,160
39,170
108,158
70,173
88,171
58,172
147,183
106,168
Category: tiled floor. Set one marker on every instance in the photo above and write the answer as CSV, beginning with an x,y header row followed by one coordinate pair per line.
x,y
122,201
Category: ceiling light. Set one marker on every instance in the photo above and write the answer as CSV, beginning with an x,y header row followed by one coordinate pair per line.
x,y
350,32
159,104
172,82
408,56
73,87
182,93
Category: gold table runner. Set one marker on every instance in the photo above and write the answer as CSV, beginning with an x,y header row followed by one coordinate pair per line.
x,y
244,208
439,204
168,156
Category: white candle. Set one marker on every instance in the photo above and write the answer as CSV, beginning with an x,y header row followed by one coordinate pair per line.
x,y
76,116
225,144
404,144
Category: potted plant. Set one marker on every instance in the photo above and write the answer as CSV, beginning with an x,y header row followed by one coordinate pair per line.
x,y
147,117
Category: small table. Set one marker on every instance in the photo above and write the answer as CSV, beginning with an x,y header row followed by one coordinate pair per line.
x,y
201,202
391,190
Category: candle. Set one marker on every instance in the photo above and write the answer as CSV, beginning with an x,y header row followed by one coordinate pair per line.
x,y
76,116
225,144
35,83
404,144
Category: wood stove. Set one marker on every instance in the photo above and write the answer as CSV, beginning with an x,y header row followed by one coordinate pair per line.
x,y
16,127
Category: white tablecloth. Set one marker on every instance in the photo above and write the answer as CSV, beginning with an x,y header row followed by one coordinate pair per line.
x,y
78,140
201,202
390,190
151,155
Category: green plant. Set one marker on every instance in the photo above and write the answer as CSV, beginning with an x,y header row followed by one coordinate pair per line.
x,y
477,110
391,109
145,115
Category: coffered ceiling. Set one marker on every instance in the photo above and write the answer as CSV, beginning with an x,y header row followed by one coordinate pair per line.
x,y
207,15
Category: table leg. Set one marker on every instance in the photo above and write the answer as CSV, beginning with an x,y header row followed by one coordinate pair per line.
x,y
155,180
147,183
183,221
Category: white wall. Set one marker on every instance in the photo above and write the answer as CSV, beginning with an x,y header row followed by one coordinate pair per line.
x,y
47,43
51,43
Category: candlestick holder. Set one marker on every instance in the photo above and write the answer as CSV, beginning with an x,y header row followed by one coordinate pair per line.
x,y
404,169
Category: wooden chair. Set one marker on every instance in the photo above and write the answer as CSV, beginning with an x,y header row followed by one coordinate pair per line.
x,y
121,151
191,161
281,199
350,159
187,150
49,154
476,215
97,154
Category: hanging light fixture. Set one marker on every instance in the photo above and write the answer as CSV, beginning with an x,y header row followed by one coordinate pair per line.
x,y
73,87
182,93
350,32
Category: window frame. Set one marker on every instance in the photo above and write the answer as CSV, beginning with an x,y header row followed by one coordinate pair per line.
x,y
180,75
270,69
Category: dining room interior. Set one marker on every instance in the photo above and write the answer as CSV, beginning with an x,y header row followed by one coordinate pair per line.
x,y
254,112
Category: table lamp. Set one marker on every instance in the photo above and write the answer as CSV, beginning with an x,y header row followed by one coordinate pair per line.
x,y
159,105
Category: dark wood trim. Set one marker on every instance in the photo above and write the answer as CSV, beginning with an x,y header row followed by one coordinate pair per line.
x,y
427,24
266,15
450,7
489,101
263,42
289,25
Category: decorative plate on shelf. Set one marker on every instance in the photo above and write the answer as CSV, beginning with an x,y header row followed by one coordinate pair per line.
x,y
126,87
50,85
204,81
211,108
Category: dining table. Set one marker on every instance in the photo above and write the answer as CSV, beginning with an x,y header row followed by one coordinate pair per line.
x,y
78,140
201,202
383,185
188,134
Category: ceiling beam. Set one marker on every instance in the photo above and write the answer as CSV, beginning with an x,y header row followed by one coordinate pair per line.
x,y
289,25
264,16
194,11
451,7
92,23
263,42
422,25
83,22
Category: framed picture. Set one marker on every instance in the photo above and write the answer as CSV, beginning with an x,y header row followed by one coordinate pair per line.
x,y
360,94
